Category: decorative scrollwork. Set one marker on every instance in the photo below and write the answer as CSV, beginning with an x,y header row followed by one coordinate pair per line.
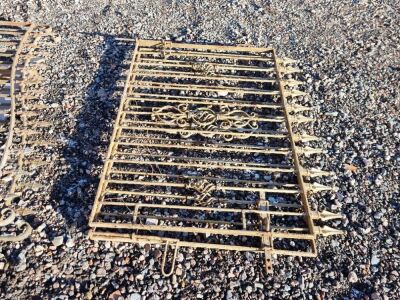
x,y
204,190
206,119
204,68
7,217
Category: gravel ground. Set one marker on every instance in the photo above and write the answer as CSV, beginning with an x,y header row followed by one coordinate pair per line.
x,y
350,57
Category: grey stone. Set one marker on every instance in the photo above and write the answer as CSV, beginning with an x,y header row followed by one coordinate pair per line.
x,y
134,296
352,277
58,240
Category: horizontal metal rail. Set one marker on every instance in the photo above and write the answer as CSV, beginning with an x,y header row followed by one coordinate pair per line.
x,y
203,88
147,62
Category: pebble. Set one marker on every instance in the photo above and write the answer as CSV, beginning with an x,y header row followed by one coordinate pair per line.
x,y
101,272
375,296
374,259
229,295
352,277
58,240
134,296
258,285
39,250
70,243
85,265
178,272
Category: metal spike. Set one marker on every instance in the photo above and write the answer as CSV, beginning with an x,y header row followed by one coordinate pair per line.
x,y
31,185
27,113
304,138
300,119
289,70
326,215
41,143
315,172
26,131
327,231
292,82
295,93
316,187
39,124
37,106
286,60
36,163
21,173
308,150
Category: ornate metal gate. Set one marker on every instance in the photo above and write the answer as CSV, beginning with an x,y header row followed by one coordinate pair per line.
x,y
206,152
23,128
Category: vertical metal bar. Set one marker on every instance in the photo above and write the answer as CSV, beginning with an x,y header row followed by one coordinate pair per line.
x,y
298,168
12,92
266,240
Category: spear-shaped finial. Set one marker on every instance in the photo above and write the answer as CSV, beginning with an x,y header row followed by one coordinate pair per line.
x,y
316,187
304,138
292,82
316,172
297,108
300,119
294,93
327,231
326,215
308,150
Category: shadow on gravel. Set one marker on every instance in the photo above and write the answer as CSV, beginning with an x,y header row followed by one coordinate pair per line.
x,y
74,193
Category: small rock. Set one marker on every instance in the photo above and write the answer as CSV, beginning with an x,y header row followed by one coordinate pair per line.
x,y
332,114
70,243
352,277
115,295
139,277
178,272
85,265
375,296
57,39
157,253
180,258
258,285
101,272
374,259
134,296
39,250
229,295
151,221
58,241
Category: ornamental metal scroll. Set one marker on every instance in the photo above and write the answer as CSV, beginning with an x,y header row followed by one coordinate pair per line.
x,y
204,189
207,119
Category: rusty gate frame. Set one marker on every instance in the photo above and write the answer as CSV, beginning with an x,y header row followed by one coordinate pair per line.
x,y
19,41
281,67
